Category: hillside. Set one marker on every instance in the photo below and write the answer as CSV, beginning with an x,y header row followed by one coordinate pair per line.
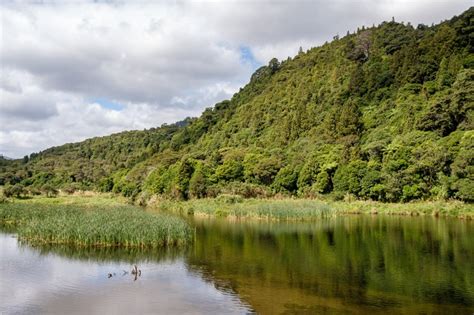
x,y
384,113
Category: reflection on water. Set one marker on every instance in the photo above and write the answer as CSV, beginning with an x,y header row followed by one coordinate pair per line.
x,y
358,264
58,280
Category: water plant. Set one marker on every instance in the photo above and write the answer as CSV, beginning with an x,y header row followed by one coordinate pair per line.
x,y
310,209
79,225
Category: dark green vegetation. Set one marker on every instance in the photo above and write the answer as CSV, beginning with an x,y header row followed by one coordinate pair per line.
x,y
106,254
346,265
306,210
93,224
384,114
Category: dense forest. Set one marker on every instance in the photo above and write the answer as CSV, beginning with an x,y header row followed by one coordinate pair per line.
x,y
383,113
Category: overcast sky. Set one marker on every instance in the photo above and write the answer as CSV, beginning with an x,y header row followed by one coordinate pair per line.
x,y
71,70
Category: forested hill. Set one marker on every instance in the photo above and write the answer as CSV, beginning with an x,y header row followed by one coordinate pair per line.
x,y
384,113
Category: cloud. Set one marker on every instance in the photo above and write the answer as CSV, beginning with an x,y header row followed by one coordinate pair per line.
x,y
23,100
161,61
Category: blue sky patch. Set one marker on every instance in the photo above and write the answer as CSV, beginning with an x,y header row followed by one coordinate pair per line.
x,y
105,103
246,56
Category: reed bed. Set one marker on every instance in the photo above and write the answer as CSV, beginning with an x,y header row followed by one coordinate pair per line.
x,y
281,210
308,209
118,226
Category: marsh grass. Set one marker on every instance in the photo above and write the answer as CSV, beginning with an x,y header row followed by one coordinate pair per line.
x,y
308,209
94,224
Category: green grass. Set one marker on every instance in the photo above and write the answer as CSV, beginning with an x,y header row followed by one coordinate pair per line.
x,y
93,222
307,209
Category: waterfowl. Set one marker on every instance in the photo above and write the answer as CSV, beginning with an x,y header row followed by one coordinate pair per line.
x,y
136,271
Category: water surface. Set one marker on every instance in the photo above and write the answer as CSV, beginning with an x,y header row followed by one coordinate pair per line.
x,y
347,265
65,281
355,264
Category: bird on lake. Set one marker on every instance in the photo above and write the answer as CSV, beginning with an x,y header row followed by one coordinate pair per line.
x,y
136,271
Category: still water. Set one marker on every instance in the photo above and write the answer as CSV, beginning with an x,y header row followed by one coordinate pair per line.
x,y
348,265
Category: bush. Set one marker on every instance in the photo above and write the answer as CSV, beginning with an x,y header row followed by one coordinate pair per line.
x,y
348,177
130,190
230,170
34,191
411,192
105,185
49,191
465,189
16,190
323,183
260,169
7,193
4,199
286,180
378,192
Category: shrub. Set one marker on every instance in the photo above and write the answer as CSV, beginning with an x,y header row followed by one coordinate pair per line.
x,y
16,190
465,189
411,192
286,180
323,183
105,185
348,177
130,190
230,170
49,191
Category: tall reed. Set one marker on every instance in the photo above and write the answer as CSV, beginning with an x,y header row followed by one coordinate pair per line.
x,y
120,225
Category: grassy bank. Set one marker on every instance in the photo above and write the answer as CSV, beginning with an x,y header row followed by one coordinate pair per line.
x,y
305,209
93,221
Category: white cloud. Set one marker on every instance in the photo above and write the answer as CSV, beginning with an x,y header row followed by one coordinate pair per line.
x,y
162,61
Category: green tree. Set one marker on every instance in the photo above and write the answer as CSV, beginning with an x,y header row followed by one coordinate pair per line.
x,y
230,170
199,182
348,177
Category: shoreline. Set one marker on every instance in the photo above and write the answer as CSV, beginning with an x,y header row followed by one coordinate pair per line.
x,y
309,209
287,209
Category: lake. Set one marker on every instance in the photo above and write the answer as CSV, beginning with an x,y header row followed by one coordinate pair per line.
x,y
345,265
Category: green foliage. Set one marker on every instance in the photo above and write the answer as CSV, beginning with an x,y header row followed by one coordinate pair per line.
x,y
199,182
386,114
49,190
323,182
286,179
17,190
106,184
230,170
464,188
180,184
307,209
104,225
260,169
348,177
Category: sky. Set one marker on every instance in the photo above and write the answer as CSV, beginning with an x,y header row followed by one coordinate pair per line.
x,y
71,70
